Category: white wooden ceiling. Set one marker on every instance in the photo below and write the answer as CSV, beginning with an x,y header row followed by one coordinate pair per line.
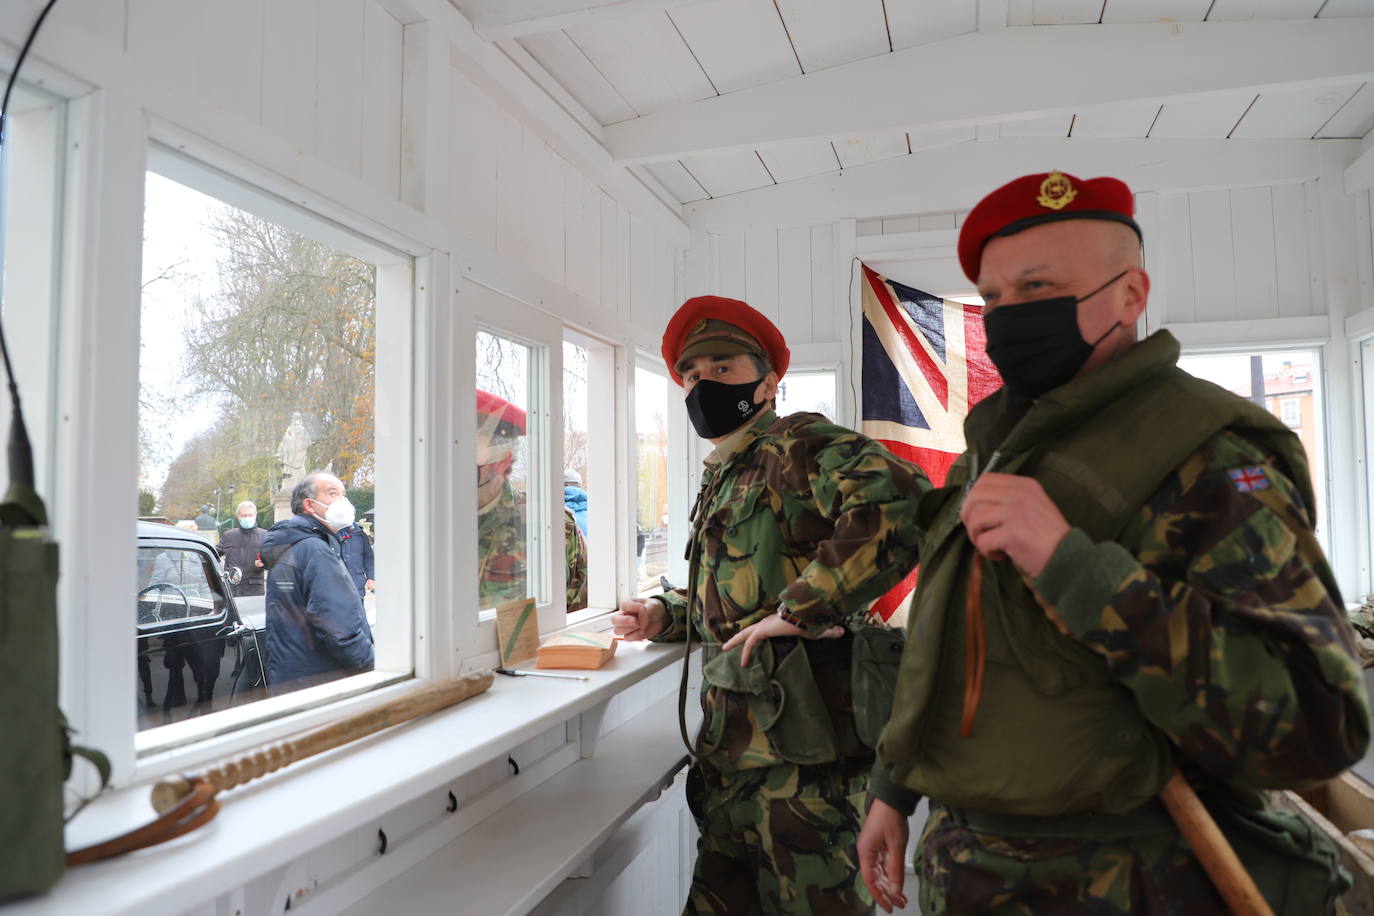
x,y
665,74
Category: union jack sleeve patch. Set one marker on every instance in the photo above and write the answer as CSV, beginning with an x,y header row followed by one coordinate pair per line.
x,y
1248,479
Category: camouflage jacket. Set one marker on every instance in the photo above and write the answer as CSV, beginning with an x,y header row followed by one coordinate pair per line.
x,y
1212,611
502,567
798,512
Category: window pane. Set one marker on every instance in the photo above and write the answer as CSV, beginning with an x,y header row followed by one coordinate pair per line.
x,y
651,464
29,201
810,392
1285,383
256,368
507,534
575,374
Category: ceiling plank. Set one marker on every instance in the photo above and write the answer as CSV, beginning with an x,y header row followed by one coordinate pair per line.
x,y
1295,113
1132,64
918,22
828,34
679,182
566,63
495,20
1115,121
1155,10
646,60
1210,118
1236,10
1356,117
854,151
754,50
729,174
967,170
793,161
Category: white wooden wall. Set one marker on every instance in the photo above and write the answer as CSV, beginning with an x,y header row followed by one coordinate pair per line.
x,y
512,193
1237,255
792,275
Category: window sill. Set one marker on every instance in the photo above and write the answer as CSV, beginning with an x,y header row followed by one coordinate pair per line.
x,y
281,816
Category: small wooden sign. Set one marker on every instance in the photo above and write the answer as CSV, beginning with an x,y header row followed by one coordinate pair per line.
x,y
517,631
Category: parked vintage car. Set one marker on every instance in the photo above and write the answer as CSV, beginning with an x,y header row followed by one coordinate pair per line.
x,y
197,652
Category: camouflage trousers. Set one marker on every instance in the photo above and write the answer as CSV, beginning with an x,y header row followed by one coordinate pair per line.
x,y
964,870
779,840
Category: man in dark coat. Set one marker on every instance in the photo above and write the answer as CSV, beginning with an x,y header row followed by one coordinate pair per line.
x,y
358,557
316,628
241,546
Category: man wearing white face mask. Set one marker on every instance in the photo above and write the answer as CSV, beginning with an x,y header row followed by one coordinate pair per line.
x,y
316,628
241,546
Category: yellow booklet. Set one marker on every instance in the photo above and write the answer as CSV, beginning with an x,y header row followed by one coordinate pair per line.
x,y
576,650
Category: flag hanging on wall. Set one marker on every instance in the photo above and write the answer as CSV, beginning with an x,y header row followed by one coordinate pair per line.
x,y
925,364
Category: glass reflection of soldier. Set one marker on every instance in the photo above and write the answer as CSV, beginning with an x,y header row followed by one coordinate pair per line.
x,y
502,565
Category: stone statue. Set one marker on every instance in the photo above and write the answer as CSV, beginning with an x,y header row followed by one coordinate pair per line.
x,y
291,452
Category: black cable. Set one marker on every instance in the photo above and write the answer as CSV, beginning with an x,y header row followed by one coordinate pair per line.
x,y
20,451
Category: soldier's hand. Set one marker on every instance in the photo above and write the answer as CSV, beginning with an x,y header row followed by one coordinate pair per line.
x,y
1011,516
768,627
882,854
639,618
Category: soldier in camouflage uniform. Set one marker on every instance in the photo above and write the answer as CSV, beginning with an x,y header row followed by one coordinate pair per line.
x,y
798,525
502,573
1130,586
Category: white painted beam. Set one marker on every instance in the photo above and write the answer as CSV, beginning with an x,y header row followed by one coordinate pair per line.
x,y
955,177
1021,73
582,145
1359,176
500,19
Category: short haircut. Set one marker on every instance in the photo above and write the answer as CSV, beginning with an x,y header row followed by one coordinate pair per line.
x,y
307,488
247,503
761,364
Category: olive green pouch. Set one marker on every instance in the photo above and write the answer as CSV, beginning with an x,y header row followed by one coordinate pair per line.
x,y
876,657
1294,863
783,699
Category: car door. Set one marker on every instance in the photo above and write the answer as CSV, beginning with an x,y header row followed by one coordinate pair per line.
x,y
194,655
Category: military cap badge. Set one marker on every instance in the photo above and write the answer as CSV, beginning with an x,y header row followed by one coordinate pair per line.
x,y
1056,191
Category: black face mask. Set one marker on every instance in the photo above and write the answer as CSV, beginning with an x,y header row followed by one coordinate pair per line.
x,y
1036,346
717,409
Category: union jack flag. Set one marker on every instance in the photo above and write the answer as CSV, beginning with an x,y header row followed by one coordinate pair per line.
x,y
925,364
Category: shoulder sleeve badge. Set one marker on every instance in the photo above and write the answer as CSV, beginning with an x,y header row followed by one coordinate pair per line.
x,y
1056,191
1248,479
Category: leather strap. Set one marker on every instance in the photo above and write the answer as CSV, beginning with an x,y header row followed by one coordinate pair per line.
x,y
975,646
197,809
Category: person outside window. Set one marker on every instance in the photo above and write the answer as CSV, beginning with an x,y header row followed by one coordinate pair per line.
x,y
242,547
317,630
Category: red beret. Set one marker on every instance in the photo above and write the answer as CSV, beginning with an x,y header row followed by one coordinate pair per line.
x,y
492,406
1041,198
694,314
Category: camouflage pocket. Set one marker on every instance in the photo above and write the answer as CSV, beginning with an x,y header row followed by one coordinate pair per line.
x,y
875,662
783,699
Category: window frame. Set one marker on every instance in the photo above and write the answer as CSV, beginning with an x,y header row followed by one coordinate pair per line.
x,y
686,451
111,144
607,405
482,308
1322,481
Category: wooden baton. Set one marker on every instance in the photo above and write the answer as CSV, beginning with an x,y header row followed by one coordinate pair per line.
x,y
168,793
1213,852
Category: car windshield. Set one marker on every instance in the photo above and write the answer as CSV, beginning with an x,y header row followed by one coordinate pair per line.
x,y
176,584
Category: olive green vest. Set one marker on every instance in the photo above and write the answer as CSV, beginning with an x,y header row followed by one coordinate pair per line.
x,y
1054,734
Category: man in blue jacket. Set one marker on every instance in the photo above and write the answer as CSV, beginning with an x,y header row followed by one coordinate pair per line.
x,y
316,628
358,557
